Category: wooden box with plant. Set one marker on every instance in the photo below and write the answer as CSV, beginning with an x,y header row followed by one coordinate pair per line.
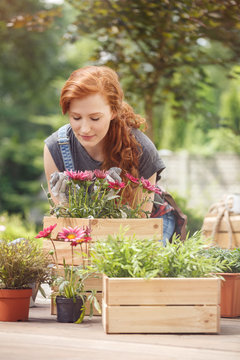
x,y
148,288
22,263
68,283
230,272
96,202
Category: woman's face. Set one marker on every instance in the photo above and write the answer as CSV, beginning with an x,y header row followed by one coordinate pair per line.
x,y
90,119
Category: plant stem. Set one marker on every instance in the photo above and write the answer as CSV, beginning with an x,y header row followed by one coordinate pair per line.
x,y
55,252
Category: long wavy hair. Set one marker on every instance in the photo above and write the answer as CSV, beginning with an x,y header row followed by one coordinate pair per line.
x,y
121,148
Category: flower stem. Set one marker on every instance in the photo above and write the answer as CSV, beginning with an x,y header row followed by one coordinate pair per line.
x,y
55,252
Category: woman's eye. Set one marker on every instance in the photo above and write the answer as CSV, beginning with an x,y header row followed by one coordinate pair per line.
x,y
95,119
76,118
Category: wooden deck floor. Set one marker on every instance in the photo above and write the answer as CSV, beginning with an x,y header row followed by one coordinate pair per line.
x,y
42,338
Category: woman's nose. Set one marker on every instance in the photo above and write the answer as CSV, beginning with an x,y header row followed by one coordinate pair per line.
x,y
85,126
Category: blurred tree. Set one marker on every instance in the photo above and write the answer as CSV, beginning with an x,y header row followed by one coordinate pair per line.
x,y
150,41
28,65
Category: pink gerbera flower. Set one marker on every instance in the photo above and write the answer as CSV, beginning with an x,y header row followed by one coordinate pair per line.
x,y
100,174
147,185
76,235
132,178
80,175
116,185
45,233
157,190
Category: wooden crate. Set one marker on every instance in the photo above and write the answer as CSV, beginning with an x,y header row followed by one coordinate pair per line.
x,y
161,305
100,229
222,237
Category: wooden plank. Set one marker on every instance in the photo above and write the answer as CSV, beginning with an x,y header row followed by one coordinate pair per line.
x,y
210,221
161,319
63,222
64,251
101,228
94,282
142,228
161,291
222,239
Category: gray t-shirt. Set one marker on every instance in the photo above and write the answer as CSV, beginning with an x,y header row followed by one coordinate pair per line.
x,y
149,162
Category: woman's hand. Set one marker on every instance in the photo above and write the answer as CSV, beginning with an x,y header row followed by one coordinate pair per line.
x,y
113,174
58,186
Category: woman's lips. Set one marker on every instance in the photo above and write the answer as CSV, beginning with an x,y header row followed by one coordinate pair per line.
x,y
87,138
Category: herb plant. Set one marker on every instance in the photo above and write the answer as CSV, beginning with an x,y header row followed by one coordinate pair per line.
x,y
123,256
23,263
229,258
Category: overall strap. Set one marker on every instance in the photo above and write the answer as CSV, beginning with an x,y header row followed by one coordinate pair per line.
x,y
63,141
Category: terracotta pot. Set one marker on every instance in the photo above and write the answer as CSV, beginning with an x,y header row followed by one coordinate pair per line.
x,y
230,295
14,304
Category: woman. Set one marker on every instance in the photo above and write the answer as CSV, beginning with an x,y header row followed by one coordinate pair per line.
x,y
103,133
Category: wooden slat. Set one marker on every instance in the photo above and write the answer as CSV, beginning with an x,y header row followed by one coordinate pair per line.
x,y
101,228
142,228
63,222
64,251
210,221
161,291
161,319
222,239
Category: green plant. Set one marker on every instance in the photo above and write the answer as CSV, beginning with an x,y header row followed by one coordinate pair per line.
x,y
22,263
185,259
70,283
13,227
123,256
229,258
93,193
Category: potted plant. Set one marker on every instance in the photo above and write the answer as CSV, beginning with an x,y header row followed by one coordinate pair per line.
x,y
97,202
230,271
22,263
151,288
68,282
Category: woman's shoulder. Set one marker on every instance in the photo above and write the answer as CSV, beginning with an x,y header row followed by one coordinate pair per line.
x,y
150,161
53,145
144,140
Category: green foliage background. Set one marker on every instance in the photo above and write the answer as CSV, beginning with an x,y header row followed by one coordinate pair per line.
x,y
178,63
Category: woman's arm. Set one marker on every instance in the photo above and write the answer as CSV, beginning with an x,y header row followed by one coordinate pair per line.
x,y
149,205
50,168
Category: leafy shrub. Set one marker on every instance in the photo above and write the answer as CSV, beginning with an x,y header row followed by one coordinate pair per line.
x,y
123,256
229,259
22,263
13,227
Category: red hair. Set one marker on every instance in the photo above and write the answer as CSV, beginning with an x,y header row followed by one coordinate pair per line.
x,y
121,149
